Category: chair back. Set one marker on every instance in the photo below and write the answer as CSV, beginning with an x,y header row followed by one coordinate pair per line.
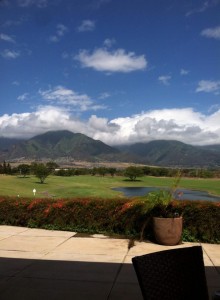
x,y
176,274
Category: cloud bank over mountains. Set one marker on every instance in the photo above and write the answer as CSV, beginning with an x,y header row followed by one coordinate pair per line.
x,y
185,125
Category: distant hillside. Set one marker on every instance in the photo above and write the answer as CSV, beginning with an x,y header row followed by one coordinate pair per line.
x,y
5,143
174,153
213,148
58,145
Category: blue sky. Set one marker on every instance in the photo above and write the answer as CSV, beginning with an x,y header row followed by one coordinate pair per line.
x,y
115,70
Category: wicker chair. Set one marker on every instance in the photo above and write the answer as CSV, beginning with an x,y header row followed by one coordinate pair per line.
x,y
177,274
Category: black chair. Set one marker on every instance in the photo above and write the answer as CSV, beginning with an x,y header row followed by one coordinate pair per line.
x,y
176,274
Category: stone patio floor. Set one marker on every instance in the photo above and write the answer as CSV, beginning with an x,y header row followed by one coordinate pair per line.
x,y
38,264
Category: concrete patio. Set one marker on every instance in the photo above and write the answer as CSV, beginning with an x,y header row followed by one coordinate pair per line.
x,y
41,264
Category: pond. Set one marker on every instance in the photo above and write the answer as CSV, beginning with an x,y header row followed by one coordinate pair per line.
x,y
185,194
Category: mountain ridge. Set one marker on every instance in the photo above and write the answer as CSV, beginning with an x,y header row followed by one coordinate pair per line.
x,y
54,144
63,143
175,153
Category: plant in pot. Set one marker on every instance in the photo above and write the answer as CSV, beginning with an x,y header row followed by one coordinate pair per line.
x,y
167,222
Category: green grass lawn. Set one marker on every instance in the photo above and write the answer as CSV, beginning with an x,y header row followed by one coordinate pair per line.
x,y
92,186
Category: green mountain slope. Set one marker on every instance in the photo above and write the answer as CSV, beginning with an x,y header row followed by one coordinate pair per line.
x,y
69,145
174,153
55,144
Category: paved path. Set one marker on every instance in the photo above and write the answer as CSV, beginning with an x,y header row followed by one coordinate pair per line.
x,y
37,264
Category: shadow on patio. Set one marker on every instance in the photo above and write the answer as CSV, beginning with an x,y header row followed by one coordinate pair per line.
x,y
27,279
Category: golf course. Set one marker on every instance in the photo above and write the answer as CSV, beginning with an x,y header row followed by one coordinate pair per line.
x,y
93,186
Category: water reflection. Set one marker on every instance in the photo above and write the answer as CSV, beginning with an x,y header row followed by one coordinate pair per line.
x,y
181,194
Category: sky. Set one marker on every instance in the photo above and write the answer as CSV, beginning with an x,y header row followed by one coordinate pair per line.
x,y
119,71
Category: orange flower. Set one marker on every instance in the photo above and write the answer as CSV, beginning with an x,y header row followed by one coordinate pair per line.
x,y
126,206
33,203
47,210
58,205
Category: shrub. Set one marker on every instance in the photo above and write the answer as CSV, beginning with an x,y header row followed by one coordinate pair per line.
x,y
202,221
116,216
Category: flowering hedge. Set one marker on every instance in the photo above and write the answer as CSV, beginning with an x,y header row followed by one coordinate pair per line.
x,y
115,216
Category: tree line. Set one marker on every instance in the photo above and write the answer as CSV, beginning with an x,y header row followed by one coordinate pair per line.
x,y
41,171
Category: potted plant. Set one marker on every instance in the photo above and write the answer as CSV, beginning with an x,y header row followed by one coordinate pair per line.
x,y
167,223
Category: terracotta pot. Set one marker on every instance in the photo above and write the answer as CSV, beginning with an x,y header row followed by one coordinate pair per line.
x,y
168,231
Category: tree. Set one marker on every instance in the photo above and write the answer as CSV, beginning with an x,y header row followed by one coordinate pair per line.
x,y
41,171
133,172
112,171
93,171
51,165
24,169
4,167
102,171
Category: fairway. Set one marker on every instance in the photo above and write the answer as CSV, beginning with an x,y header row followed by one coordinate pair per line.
x,y
92,186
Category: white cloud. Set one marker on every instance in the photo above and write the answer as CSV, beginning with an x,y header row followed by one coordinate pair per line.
x,y
115,61
27,3
6,38
10,54
109,42
47,118
17,83
54,38
65,55
185,125
184,72
60,95
208,86
104,95
101,125
204,6
23,97
212,33
10,23
26,125
86,25
61,30
165,79
213,108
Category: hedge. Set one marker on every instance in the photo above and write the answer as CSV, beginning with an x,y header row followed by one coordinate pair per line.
x,y
127,217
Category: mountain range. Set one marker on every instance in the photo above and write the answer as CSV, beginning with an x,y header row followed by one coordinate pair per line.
x,y
55,145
